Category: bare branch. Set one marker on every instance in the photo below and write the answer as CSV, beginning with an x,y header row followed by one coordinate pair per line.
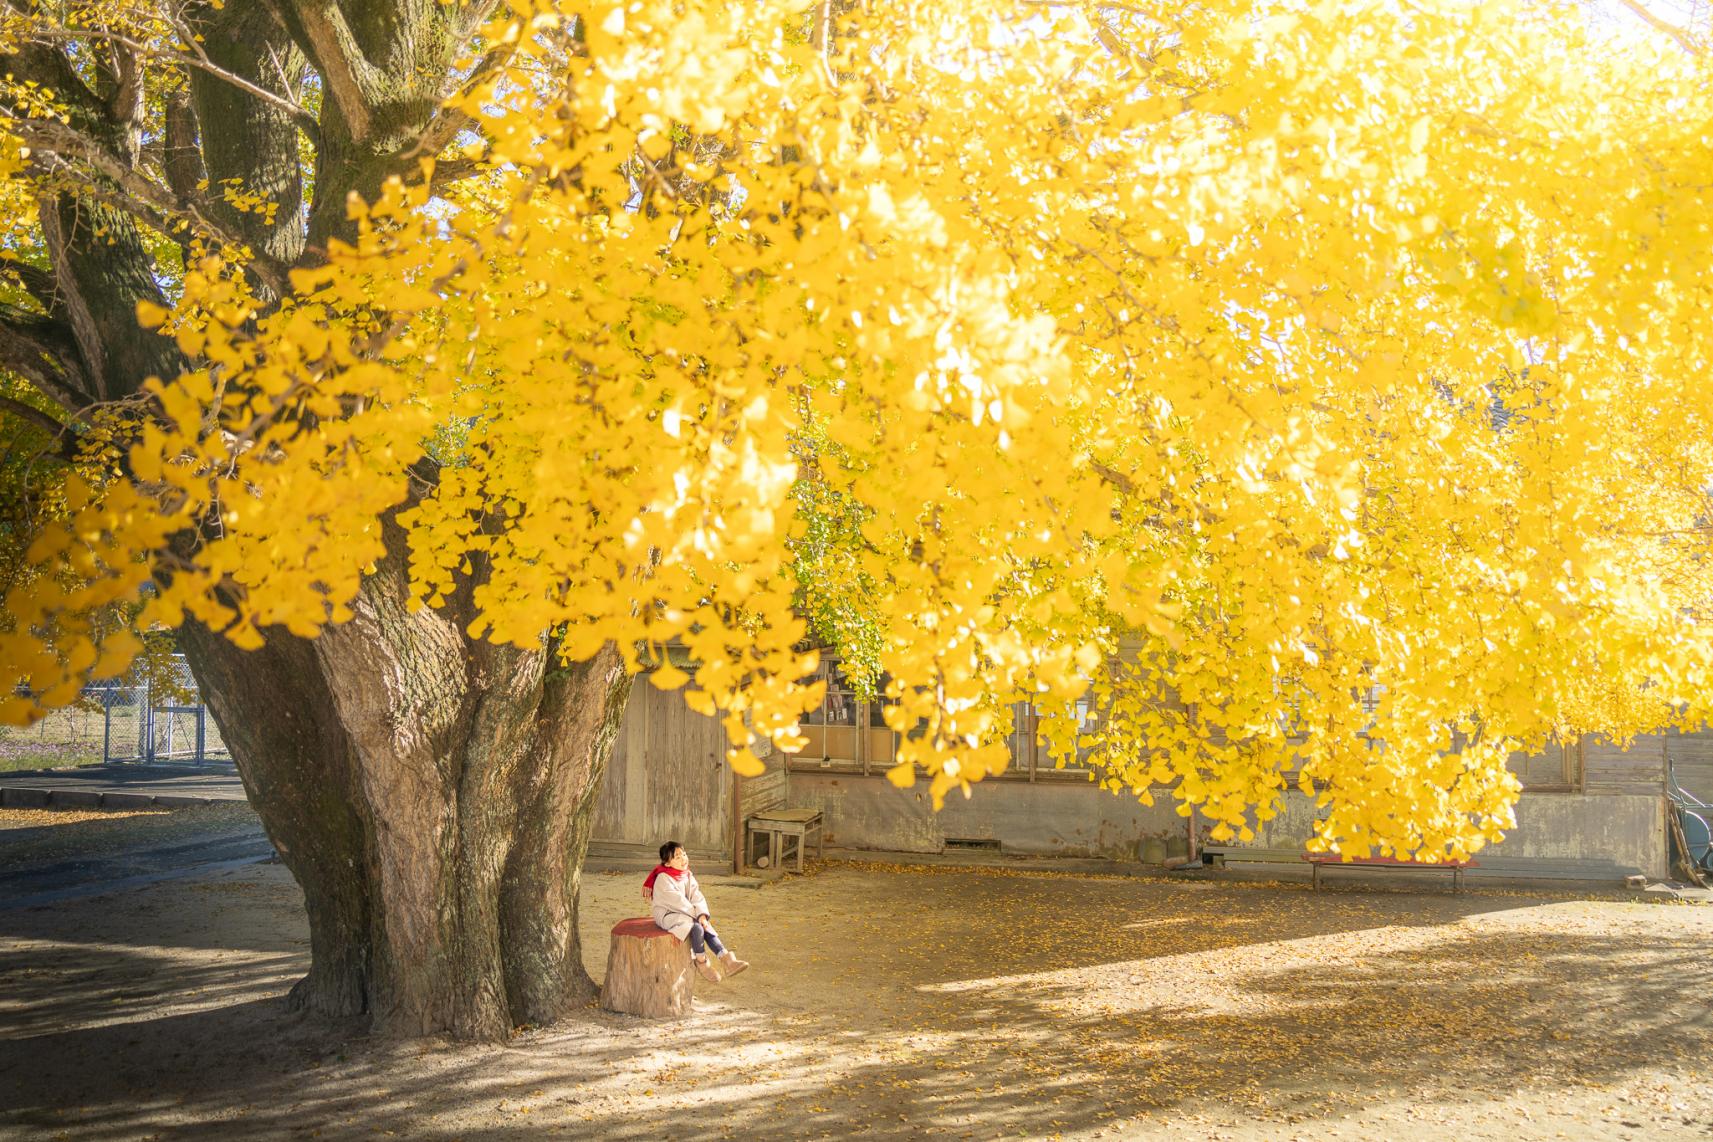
x,y
139,195
1684,39
348,78
280,70
34,415
198,59
44,352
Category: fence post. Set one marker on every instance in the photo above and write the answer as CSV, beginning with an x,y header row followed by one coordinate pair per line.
x,y
146,746
201,729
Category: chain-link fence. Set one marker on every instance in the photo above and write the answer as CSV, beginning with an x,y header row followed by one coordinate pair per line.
x,y
121,723
69,736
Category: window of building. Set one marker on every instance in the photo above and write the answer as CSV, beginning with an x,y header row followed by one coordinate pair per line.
x,y
837,730
1031,759
849,735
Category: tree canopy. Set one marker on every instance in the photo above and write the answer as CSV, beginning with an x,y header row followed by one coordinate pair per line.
x,y
1317,389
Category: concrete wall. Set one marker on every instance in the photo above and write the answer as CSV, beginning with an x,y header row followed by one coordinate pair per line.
x,y
1627,830
1076,819
1045,818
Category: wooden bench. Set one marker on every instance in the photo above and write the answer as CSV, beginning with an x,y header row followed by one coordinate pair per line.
x,y
766,817
1218,855
1319,860
648,971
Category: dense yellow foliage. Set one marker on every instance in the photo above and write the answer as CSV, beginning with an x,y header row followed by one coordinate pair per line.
x,y
1324,384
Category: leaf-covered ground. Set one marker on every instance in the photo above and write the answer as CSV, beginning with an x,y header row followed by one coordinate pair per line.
x,y
889,1002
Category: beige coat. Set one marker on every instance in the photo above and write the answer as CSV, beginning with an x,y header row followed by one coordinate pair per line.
x,y
677,902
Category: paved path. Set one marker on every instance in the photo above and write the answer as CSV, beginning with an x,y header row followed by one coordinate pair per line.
x,y
53,851
48,863
120,786
31,884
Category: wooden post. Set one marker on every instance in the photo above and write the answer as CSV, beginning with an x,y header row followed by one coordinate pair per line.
x,y
737,825
648,971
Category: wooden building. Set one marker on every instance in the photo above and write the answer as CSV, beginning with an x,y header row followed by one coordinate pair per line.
x,y
1588,809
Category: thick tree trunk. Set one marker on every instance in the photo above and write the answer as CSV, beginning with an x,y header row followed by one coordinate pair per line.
x,y
431,794
433,797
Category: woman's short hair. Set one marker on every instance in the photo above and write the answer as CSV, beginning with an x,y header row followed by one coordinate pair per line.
x,y
667,849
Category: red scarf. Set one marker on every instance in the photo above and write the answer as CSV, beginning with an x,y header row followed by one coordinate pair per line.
x,y
674,873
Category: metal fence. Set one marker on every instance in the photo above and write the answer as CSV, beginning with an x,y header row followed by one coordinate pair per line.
x,y
121,723
140,726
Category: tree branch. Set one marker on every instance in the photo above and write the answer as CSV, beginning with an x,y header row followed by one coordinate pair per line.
x,y
39,283
1113,476
349,80
449,171
44,352
181,156
125,108
34,415
49,67
139,195
449,121
1683,38
196,58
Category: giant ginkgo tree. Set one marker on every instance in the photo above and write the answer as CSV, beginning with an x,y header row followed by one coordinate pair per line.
x,y
1316,392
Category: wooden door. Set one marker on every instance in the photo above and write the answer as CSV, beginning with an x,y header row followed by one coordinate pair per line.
x,y
668,778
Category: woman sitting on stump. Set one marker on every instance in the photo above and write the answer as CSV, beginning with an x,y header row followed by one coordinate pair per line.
x,y
677,904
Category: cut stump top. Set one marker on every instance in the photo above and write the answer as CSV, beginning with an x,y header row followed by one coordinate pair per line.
x,y
642,927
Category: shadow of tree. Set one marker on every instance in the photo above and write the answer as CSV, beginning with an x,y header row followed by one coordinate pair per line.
x,y
885,1004
83,836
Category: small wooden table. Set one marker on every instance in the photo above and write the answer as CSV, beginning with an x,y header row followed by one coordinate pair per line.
x,y
780,826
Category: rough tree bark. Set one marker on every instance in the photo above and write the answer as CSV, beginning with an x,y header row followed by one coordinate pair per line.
x,y
431,794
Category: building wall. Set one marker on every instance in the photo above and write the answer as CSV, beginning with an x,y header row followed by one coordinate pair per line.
x,y
1073,818
1626,831
668,777
1638,767
1692,763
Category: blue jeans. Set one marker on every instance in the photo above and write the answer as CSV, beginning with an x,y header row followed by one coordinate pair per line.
x,y
702,939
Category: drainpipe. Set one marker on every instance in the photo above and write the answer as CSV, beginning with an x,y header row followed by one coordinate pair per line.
x,y
1193,860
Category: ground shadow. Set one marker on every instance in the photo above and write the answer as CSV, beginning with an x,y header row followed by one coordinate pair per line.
x,y
975,1005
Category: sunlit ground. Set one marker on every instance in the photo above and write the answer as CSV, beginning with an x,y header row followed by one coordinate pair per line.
x,y
893,1002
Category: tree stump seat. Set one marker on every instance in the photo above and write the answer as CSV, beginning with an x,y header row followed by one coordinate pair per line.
x,y
649,972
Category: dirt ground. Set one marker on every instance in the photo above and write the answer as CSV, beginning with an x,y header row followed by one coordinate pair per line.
x,y
890,1003
40,818
49,856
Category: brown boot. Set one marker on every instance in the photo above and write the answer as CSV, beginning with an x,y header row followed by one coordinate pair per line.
x,y
732,963
706,967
